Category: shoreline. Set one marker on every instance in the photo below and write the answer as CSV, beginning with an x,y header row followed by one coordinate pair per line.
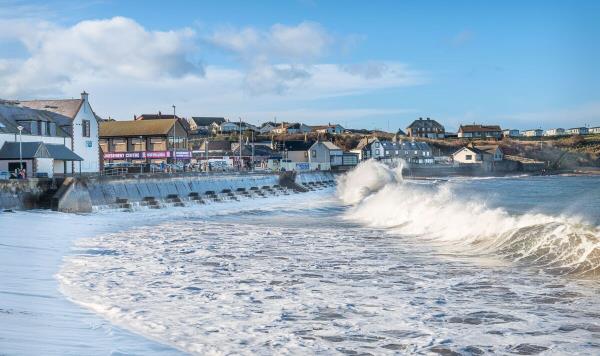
x,y
42,319
46,320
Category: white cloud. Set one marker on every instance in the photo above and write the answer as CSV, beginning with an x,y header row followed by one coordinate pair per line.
x,y
129,69
222,92
306,41
114,49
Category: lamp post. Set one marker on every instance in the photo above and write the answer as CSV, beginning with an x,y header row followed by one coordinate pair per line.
x,y
240,144
142,152
174,128
20,128
252,162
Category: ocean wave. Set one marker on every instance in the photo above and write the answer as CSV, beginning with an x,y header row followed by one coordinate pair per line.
x,y
379,197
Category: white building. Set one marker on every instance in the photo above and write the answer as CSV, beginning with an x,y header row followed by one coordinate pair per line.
x,y
594,130
267,127
37,127
511,133
292,128
533,133
577,131
232,127
335,129
81,125
410,151
554,132
325,155
478,154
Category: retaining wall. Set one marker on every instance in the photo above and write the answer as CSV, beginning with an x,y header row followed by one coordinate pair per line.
x,y
83,194
21,194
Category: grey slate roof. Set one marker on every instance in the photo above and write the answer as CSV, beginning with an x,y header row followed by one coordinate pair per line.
x,y
205,121
30,150
294,145
11,114
65,107
405,145
426,124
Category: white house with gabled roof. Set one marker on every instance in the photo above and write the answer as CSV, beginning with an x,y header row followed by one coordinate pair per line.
x,y
81,124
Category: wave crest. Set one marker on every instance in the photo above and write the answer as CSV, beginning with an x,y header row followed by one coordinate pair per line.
x,y
434,212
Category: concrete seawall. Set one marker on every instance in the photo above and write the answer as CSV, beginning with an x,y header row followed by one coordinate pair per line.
x,y
88,194
24,194
501,168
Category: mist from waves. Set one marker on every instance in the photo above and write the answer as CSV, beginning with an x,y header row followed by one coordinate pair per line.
x,y
436,212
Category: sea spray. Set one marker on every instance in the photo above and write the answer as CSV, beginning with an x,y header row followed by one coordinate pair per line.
x,y
433,212
368,177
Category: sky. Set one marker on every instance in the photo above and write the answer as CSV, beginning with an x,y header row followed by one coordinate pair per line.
x,y
362,64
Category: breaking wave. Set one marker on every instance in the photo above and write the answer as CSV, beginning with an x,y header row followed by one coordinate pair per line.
x,y
381,198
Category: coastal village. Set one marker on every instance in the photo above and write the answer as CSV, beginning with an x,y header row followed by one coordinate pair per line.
x,y
53,138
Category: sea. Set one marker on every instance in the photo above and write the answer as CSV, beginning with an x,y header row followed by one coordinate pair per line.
x,y
379,264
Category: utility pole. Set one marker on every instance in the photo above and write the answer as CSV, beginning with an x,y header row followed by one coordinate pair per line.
x,y
252,163
174,128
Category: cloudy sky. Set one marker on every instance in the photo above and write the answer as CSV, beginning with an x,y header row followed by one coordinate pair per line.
x,y
372,64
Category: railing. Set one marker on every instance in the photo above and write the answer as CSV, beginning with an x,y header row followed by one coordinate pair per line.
x,y
111,172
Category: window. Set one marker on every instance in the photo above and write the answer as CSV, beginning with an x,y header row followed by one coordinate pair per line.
x,y
40,128
85,128
468,157
33,127
305,154
377,152
387,153
314,153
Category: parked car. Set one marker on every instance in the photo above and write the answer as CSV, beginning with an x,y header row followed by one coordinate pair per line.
x,y
4,175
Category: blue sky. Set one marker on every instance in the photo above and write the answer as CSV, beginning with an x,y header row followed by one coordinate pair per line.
x,y
376,64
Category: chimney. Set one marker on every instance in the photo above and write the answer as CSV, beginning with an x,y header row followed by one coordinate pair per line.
x,y
428,119
84,96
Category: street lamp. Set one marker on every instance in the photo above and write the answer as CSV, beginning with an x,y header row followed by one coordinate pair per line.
x,y
20,128
142,152
174,128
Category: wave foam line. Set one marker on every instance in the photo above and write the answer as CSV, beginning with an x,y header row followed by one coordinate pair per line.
x,y
379,197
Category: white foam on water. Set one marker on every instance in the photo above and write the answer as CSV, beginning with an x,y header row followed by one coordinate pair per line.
x,y
434,213
291,277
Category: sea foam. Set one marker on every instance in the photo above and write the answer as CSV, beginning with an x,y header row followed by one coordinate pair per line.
x,y
435,212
